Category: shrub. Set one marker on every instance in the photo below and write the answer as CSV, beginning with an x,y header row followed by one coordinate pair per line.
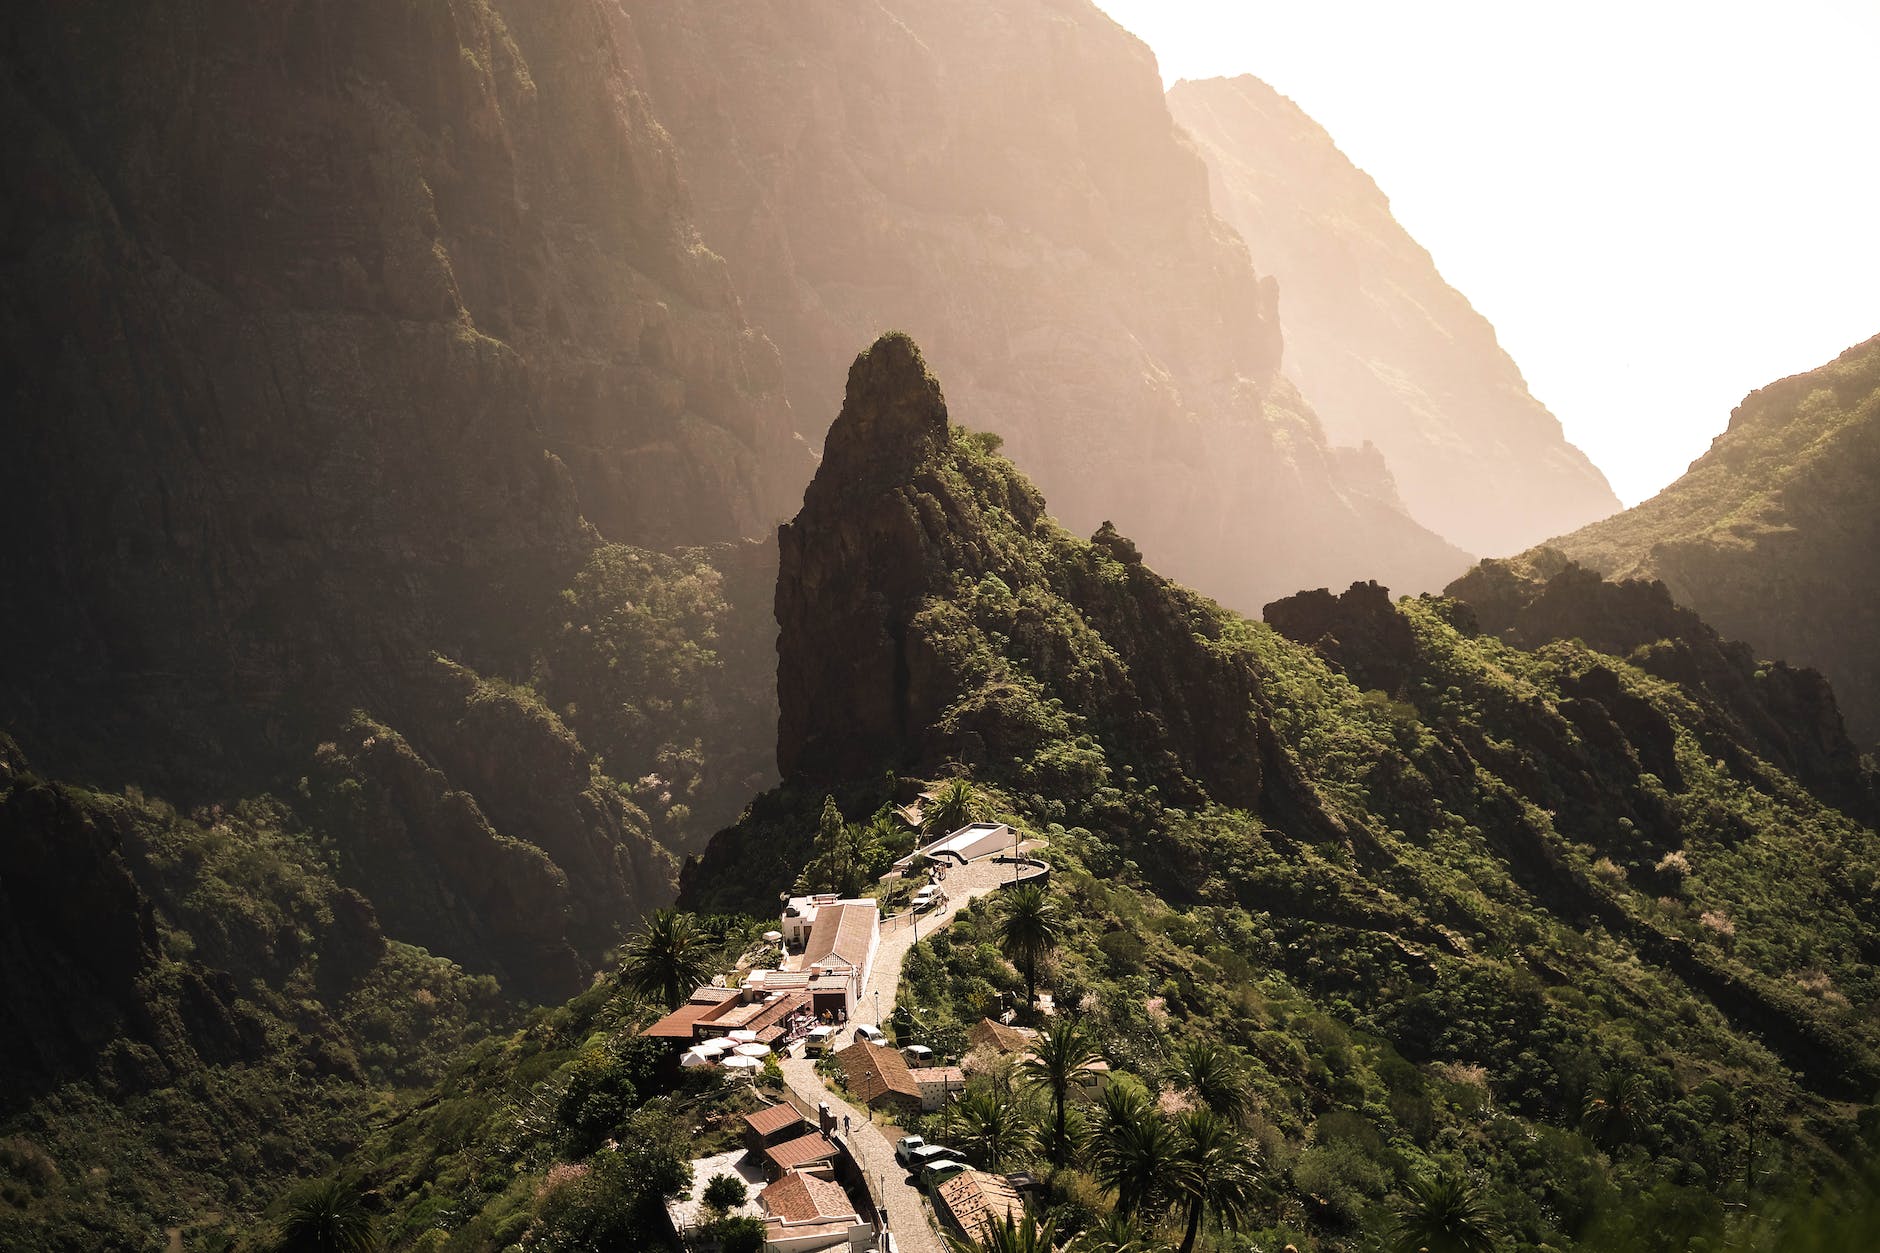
x,y
725,1192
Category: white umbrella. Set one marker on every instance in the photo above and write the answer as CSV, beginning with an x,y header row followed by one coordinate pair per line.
x,y
744,1037
772,937
691,1059
712,1047
738,1062
752,1050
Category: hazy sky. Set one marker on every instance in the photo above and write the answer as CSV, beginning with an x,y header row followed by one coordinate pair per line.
x,y
1660,205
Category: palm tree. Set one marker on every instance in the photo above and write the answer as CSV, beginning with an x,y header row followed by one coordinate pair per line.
x,y
1061,1052
1615,1113
993,1127
953,806
668,958
1029,932
1135,1155
1214,1172
1444,1215
326,1216
1213,1074
1029,1236
1115,1232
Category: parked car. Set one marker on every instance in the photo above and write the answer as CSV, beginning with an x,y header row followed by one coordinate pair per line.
x,y
920,1157
870,1033
940,1170
906,1147
927,898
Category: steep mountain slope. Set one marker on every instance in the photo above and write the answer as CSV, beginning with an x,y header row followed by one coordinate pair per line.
x,y
324,330
1004,181
1386,351
1410,869
363,374
195,1007
1774,534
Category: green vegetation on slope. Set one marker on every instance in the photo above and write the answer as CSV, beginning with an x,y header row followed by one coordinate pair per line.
x,y
203,1005
1773,535
1443,894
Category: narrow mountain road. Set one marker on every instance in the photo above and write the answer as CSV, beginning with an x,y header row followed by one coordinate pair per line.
x,y
909,1218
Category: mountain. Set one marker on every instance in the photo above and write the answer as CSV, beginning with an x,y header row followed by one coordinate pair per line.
x,y
1773,535
1387,352
332,337
361,361
1004,182
1408,870
382,450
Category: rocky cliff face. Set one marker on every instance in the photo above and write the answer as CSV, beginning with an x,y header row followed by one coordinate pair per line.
x,y
1774,534
325,329
1387,352
1004,182
1373,772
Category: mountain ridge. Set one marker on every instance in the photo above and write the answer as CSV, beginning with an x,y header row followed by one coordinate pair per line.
x,y
1385,350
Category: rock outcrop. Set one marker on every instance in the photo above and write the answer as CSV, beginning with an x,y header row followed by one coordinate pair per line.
x,y
1386,351
1003,181
1773,536
1361,769
1784,715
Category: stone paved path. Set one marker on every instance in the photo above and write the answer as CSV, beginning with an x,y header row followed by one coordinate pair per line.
x,y
909,1217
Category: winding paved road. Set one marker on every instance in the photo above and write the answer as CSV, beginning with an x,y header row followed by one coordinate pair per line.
x,y
909,1217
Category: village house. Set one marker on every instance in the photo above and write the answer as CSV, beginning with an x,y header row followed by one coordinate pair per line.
x,y
834,942
970,843
937,1084
807,1214
974,1202
879,1078
772,1016
813,1153
991,1040
774,1124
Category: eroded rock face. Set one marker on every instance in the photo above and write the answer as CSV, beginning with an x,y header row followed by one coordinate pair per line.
x,y
1386,351
325,329
1003,182
906,521
1787,715
1773,535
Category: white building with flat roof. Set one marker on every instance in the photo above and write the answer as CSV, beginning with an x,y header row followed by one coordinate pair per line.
x,y
970,843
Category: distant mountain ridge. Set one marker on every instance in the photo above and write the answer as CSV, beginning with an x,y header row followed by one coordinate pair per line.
x,y
1773,535
1004,182
1384,349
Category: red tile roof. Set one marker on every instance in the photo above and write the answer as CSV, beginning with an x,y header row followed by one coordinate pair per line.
x,y
814,1147
1000,1037
842,932
979,1201
679,1024
801,1198
769,1121
874,1073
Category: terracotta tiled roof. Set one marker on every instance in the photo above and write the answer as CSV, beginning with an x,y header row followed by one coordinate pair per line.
x,y
801,1198
873,1073
760,1014
1001,1038
841,932
951,1075
679,1024
978,1201
772,1119
814,1147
